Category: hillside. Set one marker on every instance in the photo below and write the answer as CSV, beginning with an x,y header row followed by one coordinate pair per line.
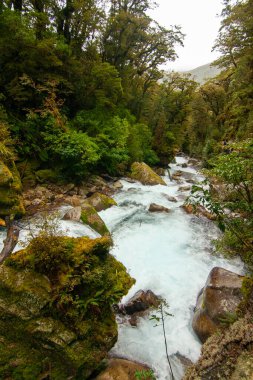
x,y
202,73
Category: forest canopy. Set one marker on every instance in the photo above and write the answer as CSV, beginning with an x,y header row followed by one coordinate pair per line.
x,y
81,86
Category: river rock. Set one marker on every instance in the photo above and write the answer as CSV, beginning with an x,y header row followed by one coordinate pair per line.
x,y
160,171
121,369
90,217
170,198
177,174
66,189
193,161
101,201
220,297
117,185
158,208
141,301
73,214
143,173
97,184
199,211
184,188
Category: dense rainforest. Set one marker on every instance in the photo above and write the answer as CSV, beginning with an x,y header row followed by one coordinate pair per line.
x,y
82,92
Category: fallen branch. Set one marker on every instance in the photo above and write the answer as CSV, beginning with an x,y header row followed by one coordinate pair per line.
x,y
11,239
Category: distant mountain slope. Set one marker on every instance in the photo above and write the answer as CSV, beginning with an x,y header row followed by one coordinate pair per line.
x,y
202,73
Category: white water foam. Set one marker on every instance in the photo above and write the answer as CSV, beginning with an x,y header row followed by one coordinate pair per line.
x,y
169,254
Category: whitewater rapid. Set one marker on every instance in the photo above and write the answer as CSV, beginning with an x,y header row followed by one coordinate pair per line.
x,y
170,254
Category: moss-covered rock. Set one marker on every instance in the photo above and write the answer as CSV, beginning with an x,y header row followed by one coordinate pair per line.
x,y
55,308
227,355
90,217
47,175
143,173
10,191
101,201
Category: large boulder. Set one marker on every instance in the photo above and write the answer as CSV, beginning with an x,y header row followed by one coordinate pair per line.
x,y
121,369
11,202
101,201
141,301
143,173
90,217
217,302
55,308
158,208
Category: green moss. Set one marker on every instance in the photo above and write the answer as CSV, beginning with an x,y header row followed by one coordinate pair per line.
x,y
17,209
247,292
6,176
143,173
47,175
90,217
56,316
8,196
101,201
10,191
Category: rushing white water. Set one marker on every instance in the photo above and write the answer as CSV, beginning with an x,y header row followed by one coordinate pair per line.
x,y
169,254
31,227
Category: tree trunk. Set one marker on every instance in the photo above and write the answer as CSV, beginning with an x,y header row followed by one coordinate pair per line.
x,y
68,11
11,240
40,25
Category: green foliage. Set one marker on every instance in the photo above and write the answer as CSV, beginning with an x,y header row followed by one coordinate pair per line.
x,y
234,171
145,375
6,149
139,144
247,291
75,152
228,319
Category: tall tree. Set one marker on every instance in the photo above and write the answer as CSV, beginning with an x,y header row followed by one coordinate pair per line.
x,y
137,45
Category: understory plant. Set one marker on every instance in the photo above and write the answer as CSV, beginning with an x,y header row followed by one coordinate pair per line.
x,y
228,195
160,321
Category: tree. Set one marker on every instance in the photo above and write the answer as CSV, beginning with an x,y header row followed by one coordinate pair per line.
x,y
235,44
137,45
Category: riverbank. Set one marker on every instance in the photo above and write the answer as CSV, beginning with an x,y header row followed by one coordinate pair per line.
x,y
167,252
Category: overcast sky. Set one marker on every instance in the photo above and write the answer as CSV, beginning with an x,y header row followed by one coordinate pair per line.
x,y
199,21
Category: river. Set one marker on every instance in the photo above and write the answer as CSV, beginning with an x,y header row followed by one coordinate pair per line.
x,y
168,253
